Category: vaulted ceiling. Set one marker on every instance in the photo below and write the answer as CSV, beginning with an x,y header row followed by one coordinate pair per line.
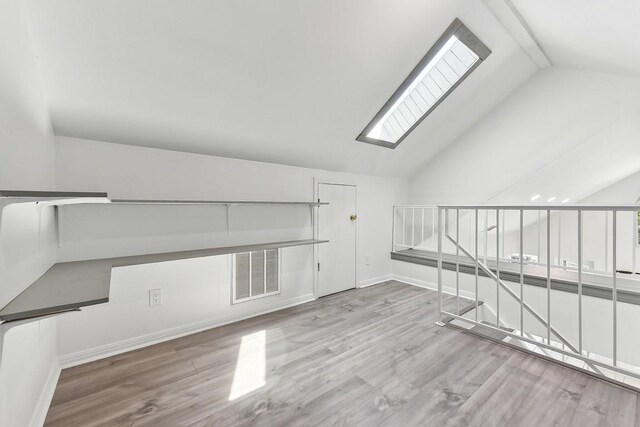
x,y
294,82
284,81
569,131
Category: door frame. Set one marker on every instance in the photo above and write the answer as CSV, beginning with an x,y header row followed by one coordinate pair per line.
x,y
316,252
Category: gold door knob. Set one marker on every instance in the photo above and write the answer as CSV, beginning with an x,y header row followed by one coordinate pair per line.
x,y
353,217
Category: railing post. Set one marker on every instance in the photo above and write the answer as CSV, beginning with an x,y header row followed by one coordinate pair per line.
x,y
422,229
634,242
458,262
393,230
560,239
476,262
548,277
413,228
614,287
434,211
580,281
539,238
440,225
504,233
486,235
606,241
521,272
404,226
498,268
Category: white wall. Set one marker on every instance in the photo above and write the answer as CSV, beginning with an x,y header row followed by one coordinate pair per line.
x,y
28,366
196,296
564,133
27,148
197,291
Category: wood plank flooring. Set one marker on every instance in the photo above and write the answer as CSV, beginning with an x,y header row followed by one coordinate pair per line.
x,y
365,357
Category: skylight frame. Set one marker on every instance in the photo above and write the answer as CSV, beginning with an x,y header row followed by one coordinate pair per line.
x,y
465,36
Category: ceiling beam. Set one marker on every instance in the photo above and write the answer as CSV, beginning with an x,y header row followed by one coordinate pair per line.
x,y
515,24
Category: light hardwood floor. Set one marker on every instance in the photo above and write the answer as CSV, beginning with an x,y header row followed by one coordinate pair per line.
x,y
359,358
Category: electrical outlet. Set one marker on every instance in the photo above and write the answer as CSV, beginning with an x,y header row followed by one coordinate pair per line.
x,y
367,260
155,297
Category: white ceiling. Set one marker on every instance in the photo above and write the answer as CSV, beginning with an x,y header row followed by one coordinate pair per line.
x,y
565,133
593,34
283,81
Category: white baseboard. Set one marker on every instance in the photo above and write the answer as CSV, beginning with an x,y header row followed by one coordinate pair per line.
x,y
431,286
375,281
415,282
96,353
44,401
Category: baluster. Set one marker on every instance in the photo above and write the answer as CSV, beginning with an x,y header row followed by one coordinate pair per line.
x,y
498,268
548,277
458,261
476,284
521,272
614,287
580,281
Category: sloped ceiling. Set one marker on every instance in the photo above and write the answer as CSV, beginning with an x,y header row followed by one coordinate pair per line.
x,y
282,81
566,133
587,34
570,131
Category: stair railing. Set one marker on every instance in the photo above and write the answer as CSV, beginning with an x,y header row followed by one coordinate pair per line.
x,y
574,351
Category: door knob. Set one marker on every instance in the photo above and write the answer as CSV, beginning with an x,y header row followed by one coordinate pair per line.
x,y
353,217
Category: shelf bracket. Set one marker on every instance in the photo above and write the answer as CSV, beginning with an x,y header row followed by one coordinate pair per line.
x,y
58,213
39,219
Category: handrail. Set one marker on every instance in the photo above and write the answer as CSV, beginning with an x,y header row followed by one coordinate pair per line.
x,y
602,208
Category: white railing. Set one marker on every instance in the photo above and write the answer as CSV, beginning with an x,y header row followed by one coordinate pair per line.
x,y
415,228
476,236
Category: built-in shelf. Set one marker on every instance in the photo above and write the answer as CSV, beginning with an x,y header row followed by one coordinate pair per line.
x,y
205,252
50,198
71,285
98,197
49,195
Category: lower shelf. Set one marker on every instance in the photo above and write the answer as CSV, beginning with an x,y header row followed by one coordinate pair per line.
x,y
71,285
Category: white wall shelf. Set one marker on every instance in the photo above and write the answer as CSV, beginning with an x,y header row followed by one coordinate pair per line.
x,y
43,196
70,197
69,286
49,198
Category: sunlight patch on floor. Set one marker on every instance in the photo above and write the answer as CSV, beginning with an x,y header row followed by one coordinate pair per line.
x,y
251,366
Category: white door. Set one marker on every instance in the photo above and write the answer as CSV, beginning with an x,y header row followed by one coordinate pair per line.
x,y
337,223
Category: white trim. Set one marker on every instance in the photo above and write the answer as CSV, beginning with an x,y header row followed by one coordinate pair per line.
x,y
431,286
375,281
44,401
415,282
89,355
101,352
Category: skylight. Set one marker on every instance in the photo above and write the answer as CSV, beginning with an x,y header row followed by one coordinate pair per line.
x,y
451,59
